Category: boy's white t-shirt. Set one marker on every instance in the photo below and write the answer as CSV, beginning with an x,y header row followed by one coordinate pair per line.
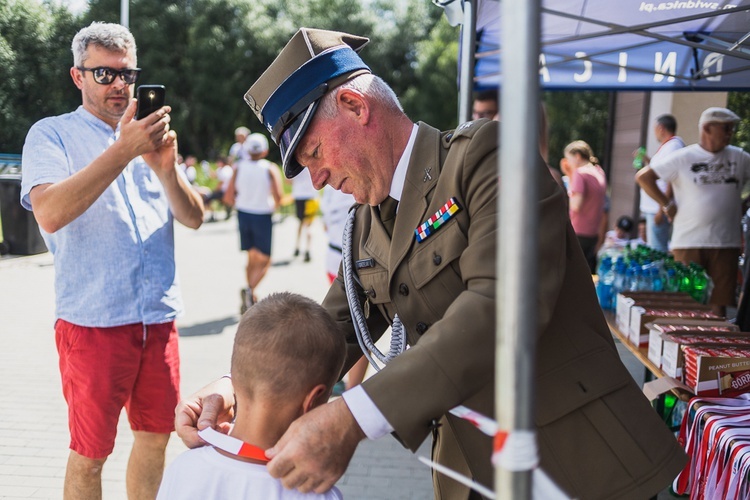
x,y
205,474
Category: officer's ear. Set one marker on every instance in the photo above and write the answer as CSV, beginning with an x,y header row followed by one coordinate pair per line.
x,y
354,104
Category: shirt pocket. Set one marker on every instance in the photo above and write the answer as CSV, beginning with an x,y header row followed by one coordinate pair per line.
x,y
375,284
434,267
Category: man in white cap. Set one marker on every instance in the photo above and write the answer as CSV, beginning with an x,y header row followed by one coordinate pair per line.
x,y
423,248
707,180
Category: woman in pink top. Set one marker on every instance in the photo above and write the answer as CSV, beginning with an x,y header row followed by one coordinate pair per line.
x,y
587,191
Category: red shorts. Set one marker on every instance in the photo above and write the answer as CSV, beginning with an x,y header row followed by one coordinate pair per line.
x,y
104,369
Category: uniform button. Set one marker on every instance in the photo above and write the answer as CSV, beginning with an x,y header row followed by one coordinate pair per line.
x,y
448,137
434,423
421,327
403,289
436,259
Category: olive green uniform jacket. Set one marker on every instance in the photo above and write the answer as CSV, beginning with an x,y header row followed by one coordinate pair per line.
x,y
598,435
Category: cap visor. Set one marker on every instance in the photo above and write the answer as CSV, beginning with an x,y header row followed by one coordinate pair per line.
x,y
290,138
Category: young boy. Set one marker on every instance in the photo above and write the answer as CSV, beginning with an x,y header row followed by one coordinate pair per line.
x,y
287,355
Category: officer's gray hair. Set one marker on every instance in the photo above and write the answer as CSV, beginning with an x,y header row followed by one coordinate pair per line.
x,y
368,84
109,36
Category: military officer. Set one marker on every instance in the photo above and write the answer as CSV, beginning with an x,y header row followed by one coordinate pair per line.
x,y
433,265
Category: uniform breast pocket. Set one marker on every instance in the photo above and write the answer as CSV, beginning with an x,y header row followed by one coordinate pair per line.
x,y
434,267
375,284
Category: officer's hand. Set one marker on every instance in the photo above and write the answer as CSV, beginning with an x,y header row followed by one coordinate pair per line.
x,y
211,406
316,449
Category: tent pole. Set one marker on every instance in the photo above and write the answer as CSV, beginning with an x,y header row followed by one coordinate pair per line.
x,y
468,48
517,238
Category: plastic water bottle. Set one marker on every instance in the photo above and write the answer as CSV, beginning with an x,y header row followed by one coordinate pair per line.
x,y
619,283
640,155
672,283
686,282
632,279
605,286
646,281
604,265
657,280
700,283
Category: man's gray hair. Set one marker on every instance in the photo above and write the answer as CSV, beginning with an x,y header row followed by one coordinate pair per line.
x,y
109,36
368,84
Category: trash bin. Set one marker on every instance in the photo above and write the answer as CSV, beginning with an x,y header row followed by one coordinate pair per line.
x,y
20,230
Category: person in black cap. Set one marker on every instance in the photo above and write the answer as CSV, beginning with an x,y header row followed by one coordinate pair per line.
x,y
619,237
423,250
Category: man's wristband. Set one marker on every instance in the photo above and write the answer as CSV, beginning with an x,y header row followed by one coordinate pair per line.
x,y
669,205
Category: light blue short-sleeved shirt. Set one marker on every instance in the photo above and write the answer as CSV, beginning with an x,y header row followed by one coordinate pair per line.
x,y
114,265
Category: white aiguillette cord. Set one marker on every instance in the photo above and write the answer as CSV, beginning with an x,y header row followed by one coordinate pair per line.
x,y
232,445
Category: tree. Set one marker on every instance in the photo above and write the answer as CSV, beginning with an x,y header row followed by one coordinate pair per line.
x,y
739,102
36,59
208,53
434,96
576,115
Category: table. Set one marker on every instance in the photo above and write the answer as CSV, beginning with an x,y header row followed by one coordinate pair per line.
x,y
653,372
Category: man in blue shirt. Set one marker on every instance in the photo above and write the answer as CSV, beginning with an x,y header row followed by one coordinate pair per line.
x,y
105,189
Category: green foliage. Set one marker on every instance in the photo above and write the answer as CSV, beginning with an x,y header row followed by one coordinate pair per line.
x,y
739,102
209,52
434,99
34,40
576,115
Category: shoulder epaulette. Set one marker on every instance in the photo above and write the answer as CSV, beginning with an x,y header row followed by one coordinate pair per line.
x,y
466,129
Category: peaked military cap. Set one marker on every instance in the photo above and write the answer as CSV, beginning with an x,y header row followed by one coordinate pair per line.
x,y
287,94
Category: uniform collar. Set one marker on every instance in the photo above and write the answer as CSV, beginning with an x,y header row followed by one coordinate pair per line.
x,y
399,175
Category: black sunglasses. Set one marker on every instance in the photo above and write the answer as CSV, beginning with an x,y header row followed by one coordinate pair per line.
x,y
105,76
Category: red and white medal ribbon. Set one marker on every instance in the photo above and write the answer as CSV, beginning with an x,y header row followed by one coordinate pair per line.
x,y
515,451
232,445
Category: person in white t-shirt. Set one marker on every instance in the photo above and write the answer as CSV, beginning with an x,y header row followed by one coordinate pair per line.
x,y
306,206
223,174
658,227
238,151
255,191
334,208
287,355
707,179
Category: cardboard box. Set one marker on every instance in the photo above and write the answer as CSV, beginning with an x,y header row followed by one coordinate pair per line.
x,y
626,300
640,316
672,359
717,372
669,325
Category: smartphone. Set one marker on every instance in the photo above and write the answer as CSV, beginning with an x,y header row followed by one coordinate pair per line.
x,y
150,98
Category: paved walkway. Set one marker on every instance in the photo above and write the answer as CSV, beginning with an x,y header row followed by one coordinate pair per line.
x,y
33,423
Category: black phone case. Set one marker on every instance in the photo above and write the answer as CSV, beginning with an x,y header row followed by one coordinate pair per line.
x,y
150,98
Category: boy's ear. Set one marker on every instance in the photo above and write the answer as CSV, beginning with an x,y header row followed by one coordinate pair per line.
x,y
316,397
